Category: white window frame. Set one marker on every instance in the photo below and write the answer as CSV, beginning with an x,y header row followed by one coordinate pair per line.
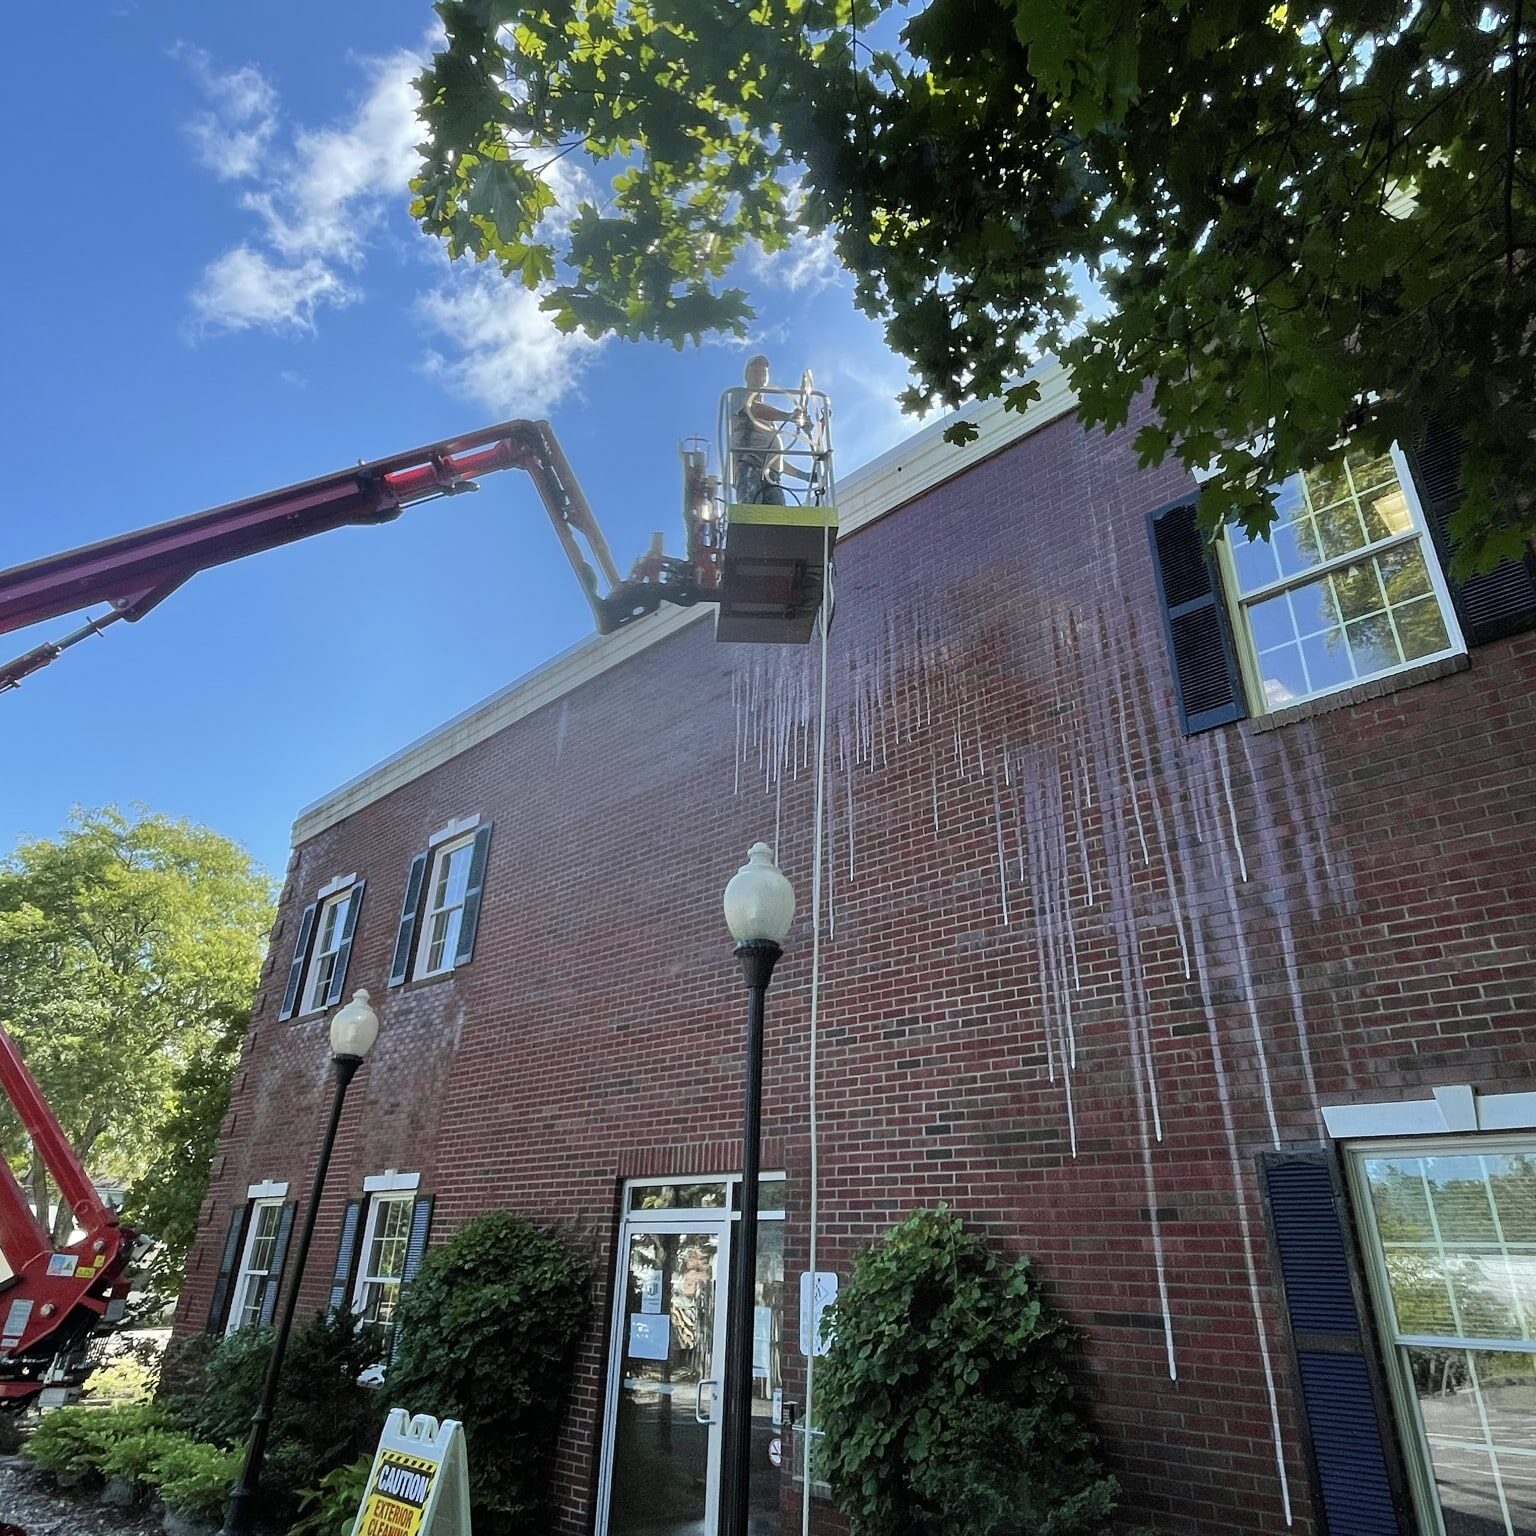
x,y
1238,602
248,1281
439,857
338,902
1405,1400
377,1201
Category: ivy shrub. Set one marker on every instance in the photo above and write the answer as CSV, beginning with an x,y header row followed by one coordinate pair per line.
x,y
136,1457
488,1332
945,1398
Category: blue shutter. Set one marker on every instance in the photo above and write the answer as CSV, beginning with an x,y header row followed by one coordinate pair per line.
x,y
470,921
1358,1482
300,955
1206,680
1497,603
415,1248
344,950
271,1285
410,912
346,1251
218,1308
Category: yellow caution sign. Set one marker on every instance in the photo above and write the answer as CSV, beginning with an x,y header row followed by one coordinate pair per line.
x,y
419,1482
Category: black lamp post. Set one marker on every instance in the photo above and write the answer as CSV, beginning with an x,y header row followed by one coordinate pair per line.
x,y
759,906
353,1031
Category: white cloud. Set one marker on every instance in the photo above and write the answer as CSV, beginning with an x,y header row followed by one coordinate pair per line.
x,y
326,198
319,201
231,138
806,265
505,353
243,290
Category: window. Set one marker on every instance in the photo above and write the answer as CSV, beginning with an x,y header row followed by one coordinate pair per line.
x,y
322,948
259,1261
1344,589
443,916
328,942
1452,1238
381,1274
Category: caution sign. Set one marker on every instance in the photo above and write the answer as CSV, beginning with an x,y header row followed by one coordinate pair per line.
x,y
419,1482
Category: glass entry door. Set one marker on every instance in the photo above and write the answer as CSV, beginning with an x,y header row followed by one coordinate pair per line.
x,y
668,1360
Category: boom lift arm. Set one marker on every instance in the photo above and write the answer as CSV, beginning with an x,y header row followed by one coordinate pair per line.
x,y
135,571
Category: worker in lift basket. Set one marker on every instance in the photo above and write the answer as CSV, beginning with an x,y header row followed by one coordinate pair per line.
x,y
756,450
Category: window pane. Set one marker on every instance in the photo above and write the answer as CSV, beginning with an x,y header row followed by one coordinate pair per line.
x,y
1340,530
1367,469
1327,659
1315,607
1296,546
1254,560
1403,574
1462,1201
1400,1200
1512,1181
1386,513
1508,1384
1421,1294
1283,676
1358,591
456,875
1469,1497
673,1197
1271,622
1327,483
1421,627
1374,645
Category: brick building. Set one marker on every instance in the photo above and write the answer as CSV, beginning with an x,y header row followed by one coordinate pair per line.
x,y
1177,932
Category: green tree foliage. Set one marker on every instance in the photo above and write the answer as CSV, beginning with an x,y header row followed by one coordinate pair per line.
x,y
1311,220
945,1399
129,949
488,1335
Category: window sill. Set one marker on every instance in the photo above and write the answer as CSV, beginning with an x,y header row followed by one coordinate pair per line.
x,y
1377,687
436,979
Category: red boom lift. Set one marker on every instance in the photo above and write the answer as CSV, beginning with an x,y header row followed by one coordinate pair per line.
x,y
769,587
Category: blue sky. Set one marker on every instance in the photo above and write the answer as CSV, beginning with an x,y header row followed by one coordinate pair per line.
x,y
215,290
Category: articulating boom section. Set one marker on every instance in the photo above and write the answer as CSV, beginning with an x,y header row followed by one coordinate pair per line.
x,y
52,1298
135,571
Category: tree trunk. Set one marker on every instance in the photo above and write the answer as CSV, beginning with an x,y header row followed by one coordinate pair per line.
x,y
38,1178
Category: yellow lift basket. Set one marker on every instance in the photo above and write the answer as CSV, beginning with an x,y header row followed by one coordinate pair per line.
x,y
780,519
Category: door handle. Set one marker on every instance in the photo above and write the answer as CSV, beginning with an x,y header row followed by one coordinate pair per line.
x,y
698,1400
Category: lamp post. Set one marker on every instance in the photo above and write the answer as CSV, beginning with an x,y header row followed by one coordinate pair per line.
x,y
759,905
353,1031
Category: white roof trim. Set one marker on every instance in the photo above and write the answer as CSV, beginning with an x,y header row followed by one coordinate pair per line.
x,y
1451,1111
923,461
389,1181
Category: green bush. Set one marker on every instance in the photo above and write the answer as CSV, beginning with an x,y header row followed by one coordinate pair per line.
x,y
321,1419
488,1335
136,1457
79,1441
194,1479
945,1399
329,1508
70,1443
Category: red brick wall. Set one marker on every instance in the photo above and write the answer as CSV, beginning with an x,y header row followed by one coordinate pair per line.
x,y
1352,896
